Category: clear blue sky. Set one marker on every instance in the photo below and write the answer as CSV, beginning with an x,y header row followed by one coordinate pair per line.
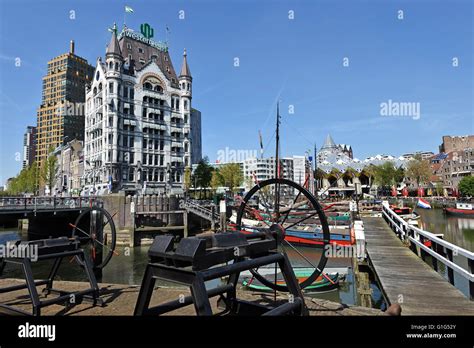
x,y
299,60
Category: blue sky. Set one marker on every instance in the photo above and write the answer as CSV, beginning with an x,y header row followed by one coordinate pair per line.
x,y
299,61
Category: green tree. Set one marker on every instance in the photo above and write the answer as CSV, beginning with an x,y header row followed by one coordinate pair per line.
x,y
399,175
202,175
439,188
216,180
249,182
48,172
418,170
232,176
385,175
187,178
25,181
466,186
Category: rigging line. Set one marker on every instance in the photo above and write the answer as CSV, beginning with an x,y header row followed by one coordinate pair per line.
x,y
301,134
268,143
275,101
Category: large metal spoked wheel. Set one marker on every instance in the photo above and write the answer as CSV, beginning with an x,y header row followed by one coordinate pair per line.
x,y
284,206
91,227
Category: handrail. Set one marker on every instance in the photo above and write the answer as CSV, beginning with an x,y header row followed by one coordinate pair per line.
x,y
38,203
196,207
417,237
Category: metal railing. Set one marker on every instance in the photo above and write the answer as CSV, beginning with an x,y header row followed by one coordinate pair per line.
x,y
439,249
34,204
203,212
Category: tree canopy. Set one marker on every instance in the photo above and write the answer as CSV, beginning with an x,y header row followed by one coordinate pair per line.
x,y
25,182
466,186
203,174
419,170
387,175
231,176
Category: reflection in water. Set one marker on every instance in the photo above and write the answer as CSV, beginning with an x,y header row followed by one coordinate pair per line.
x,y
456,230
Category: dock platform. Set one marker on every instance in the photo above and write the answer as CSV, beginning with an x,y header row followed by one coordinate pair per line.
x,y
120,299
406,279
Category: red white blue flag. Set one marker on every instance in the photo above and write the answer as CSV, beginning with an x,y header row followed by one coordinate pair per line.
x,y
422,203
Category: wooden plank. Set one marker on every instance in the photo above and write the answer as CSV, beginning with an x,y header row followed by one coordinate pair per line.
x,y
408,280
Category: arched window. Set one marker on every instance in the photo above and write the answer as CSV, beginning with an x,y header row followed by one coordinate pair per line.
x,y
111,65
117,66
95,90
100,86
158,88
147,85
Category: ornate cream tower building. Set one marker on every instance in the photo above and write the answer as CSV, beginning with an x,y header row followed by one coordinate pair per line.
x,y
141,131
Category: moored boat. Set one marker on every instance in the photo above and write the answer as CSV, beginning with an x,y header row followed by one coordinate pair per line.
x,y
339,236
319,285
400,210
462,209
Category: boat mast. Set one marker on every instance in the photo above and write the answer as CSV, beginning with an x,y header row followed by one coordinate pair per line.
x,y
277,161
315,183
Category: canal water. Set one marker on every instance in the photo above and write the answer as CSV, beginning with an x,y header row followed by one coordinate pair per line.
x,y
129,266
456,230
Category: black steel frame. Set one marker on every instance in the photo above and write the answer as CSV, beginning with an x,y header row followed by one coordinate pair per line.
x,y
195,280
90,295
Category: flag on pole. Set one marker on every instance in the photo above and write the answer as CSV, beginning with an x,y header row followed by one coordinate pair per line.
x,y
128,9
422,203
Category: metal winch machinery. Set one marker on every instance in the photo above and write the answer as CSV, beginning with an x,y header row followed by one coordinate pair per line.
x,y
197,260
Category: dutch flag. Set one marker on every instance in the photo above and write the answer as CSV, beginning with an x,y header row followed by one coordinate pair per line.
x,y
423,204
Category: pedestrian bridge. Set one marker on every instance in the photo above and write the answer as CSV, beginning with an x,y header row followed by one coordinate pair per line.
x,y
23,206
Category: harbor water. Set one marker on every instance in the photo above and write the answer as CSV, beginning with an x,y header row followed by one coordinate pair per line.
x,y
456,230
129,266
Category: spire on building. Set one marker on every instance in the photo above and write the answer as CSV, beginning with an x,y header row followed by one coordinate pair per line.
x,y
114,47
185,71
329,143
